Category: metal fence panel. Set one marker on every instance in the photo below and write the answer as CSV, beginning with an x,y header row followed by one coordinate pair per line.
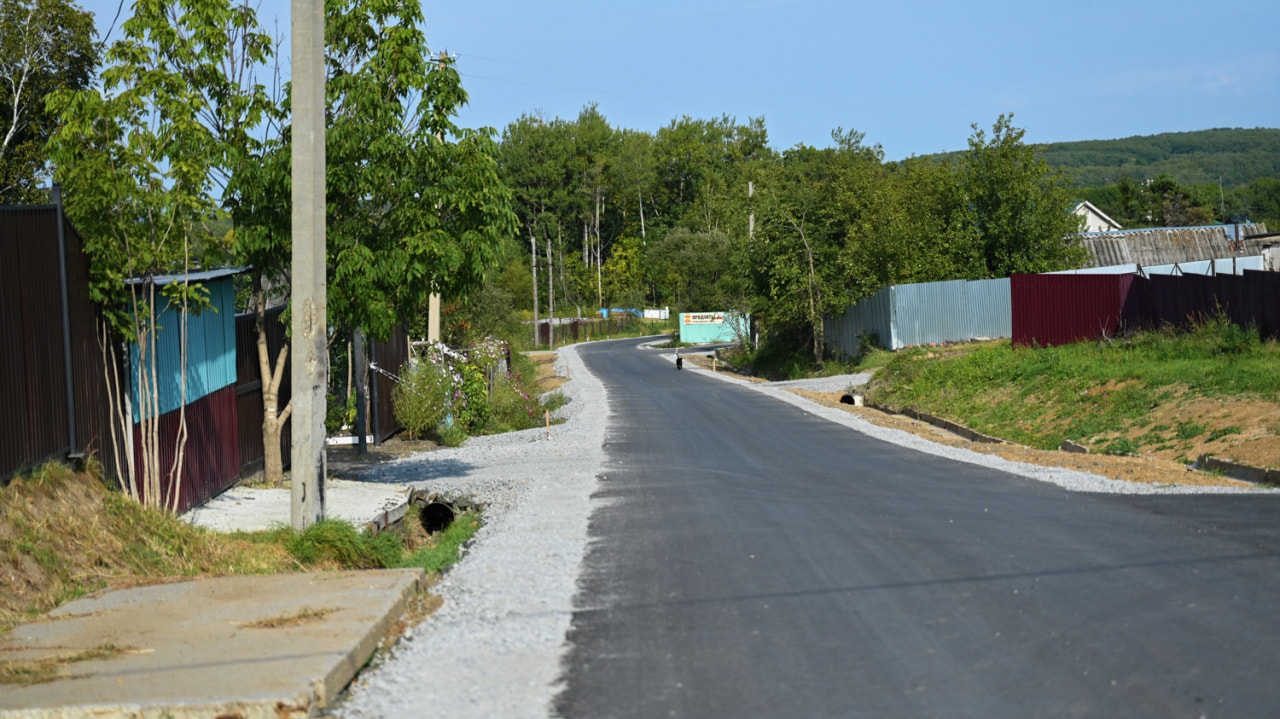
x,y
870,315
1052,310
34,389
925,313
931,312
990,308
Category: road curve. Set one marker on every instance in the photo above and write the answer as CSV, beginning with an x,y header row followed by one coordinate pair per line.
x,y
750,560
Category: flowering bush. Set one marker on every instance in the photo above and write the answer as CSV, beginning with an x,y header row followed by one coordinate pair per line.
x,y
421,401
471,399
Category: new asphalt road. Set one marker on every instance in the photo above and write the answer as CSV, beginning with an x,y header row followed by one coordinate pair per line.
x,y
751,560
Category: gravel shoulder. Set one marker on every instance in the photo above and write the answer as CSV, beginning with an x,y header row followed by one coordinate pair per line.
x,y
493,648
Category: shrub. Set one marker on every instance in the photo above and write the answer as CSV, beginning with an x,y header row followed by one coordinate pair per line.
x,y
471,399
421,402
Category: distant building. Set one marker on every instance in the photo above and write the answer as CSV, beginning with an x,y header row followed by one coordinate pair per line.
x,y
1095,220
1166,245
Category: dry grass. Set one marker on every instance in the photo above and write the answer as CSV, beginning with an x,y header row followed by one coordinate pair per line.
x,y
64,535
306,615
25,672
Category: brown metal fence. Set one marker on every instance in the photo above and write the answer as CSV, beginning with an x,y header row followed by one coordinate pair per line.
x,y
45,361
391,356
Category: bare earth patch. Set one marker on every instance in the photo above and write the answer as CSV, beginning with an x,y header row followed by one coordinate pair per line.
x,y
547,378
1151,469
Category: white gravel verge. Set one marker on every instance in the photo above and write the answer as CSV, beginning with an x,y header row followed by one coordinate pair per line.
x,y
493,649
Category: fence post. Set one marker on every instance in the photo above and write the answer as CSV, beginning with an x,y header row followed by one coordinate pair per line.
x,y
360,374
375,397
66,320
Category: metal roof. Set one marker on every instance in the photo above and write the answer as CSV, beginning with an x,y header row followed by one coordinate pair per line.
x,y
201,276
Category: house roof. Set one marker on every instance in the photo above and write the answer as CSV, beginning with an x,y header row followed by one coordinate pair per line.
x,y
201,276
1167,245
1093,209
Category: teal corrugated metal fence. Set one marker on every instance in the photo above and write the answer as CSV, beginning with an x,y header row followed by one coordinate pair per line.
x,y
211,350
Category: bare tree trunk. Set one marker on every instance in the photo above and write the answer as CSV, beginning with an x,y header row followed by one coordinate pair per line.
x,y
599,260
180,442
814,318
272,418
121,415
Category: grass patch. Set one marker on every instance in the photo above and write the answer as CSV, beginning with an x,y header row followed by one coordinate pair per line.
x,y
1189,430
65,534
26,672
1121,446
1218,434
444,549
1040,396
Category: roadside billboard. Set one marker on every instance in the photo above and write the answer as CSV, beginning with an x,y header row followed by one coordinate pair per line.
x,y
711,327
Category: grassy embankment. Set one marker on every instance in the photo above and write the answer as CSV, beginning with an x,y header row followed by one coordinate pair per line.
x,y
65,534
1171,393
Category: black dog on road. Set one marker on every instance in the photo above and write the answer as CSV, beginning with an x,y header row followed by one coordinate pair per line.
x,y
679,360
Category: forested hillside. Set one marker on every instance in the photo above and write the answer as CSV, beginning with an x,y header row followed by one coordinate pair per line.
x,y
1237,156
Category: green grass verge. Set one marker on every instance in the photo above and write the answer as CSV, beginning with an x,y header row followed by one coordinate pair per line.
x,y
1041,396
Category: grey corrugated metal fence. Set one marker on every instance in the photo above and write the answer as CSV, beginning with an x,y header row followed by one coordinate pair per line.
x,y
925,313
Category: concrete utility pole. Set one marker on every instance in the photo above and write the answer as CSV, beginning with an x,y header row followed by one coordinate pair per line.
x,y
310,300
533,264
551,299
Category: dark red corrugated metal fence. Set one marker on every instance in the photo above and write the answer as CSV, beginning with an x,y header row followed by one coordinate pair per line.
x,y
1059,309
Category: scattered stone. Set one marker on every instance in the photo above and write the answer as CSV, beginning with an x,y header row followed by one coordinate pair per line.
x,y
1069,446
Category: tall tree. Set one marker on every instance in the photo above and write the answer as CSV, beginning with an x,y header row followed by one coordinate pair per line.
x,y
796,255
415,203
46,46
1019,207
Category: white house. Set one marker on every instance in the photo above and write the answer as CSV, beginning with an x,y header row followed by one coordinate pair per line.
x,y
1095,220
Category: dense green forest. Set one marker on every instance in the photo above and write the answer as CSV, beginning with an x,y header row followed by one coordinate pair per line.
x,y
1237,157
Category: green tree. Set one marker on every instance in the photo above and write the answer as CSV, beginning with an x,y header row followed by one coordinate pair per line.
x,y
46,46
796,256
696,270
136,161
1261,201
415,203
1019,207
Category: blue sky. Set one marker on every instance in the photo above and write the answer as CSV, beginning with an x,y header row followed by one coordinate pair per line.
x,y
911,75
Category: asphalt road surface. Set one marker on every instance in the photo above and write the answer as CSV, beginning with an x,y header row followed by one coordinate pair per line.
x,y
750,560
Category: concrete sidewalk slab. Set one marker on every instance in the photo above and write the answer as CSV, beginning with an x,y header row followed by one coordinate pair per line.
x,y
191,650
249,509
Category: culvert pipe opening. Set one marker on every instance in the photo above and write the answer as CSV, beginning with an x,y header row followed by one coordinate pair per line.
x,y
435,516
